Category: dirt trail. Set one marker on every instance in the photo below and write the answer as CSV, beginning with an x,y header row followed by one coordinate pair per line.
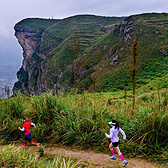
x,y
96,160
101,160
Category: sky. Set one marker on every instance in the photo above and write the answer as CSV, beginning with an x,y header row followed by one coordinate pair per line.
x,y
13,11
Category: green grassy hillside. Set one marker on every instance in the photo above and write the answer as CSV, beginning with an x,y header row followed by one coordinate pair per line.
x,y
37,24
106,70
151,32
87,27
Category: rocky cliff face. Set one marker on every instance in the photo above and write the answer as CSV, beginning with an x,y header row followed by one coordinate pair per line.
x,y
125,28
29,40
29,74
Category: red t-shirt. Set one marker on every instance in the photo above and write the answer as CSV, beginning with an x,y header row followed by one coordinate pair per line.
x,y
26,127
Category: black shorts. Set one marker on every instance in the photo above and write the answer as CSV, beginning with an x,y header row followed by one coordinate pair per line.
x,y
115,144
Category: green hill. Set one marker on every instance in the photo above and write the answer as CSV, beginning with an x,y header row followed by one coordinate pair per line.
x,y
105,46
151,32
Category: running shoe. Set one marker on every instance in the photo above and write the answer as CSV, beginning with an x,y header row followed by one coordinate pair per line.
x,y
23,146
124,163
113,157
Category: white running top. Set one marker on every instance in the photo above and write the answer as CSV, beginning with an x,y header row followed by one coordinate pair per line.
x,y
114,134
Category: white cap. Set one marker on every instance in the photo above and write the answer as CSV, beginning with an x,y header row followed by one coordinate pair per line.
x,y
112,123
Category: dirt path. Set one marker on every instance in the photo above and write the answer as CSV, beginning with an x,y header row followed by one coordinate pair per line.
x,y
101,160
96,160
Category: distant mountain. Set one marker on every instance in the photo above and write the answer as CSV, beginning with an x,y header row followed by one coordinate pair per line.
x,y
106,44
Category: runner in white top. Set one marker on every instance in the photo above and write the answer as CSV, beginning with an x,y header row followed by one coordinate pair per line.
x,y
115,140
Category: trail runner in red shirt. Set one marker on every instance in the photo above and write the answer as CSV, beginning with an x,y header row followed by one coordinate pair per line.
x,y
26,129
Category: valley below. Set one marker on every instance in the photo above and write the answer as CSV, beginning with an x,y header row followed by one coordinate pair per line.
x,y
7,78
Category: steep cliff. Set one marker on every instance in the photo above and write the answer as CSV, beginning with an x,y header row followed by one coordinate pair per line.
x,y
29,32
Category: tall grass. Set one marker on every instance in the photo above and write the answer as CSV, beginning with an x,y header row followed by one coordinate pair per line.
x,y
83,119
11,156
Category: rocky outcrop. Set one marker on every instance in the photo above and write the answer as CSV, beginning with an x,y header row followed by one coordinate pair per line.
x,y
29,40
106,29
124,29
29,75
163,51
114,61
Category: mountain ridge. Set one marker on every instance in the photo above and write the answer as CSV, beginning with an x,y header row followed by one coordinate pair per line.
x,y
45,64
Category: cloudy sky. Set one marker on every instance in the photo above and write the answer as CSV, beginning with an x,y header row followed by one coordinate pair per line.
x,y
12,11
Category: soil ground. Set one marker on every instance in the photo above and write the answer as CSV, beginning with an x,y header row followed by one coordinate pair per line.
x,y
95,159
100,160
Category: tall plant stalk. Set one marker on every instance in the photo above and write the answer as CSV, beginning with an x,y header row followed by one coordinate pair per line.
x,y
134,67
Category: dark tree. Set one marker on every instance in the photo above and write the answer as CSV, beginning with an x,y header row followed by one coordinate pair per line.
x,y
76,64
80,64
134,67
